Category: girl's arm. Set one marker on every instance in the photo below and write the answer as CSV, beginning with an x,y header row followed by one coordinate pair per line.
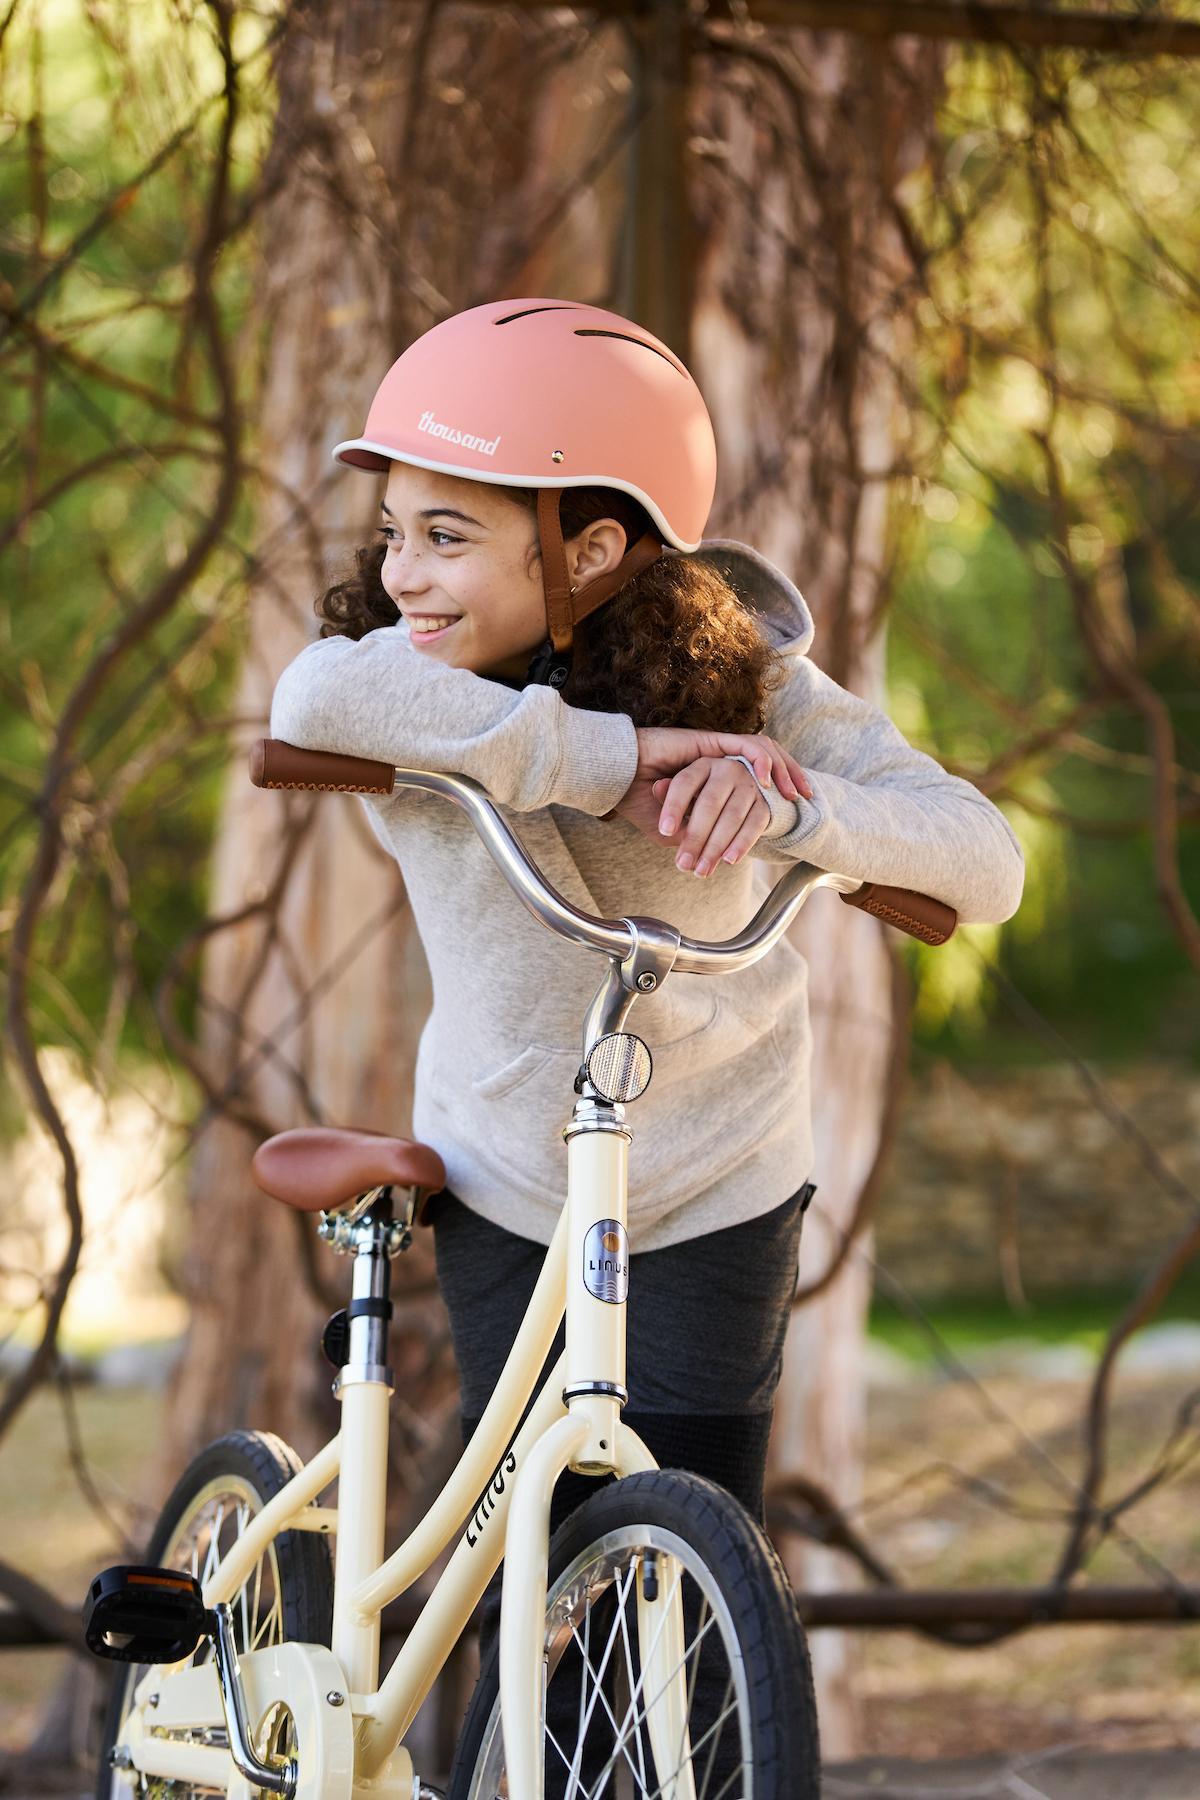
x,y
380,698
882,810
876,808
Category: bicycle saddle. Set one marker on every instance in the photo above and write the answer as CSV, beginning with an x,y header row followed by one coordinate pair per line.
x,y
318,1168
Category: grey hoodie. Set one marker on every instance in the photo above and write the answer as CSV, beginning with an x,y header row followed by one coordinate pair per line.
x,y
724,1131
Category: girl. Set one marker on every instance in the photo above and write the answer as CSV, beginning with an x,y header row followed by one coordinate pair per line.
x,y
543,613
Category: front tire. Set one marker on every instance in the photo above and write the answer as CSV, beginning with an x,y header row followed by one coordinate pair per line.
x,y
752,1712
288,1596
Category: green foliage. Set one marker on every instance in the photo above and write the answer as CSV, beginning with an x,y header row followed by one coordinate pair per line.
x,y
1057,334
115,408
1082,1316
1057,325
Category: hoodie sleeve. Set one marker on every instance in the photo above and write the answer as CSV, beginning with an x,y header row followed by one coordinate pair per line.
x,y
378,697
882,810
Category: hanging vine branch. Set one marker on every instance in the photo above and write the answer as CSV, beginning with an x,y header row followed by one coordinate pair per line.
x,y
1038,400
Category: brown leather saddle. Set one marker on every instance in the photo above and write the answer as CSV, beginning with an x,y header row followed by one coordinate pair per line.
x,y
319,1168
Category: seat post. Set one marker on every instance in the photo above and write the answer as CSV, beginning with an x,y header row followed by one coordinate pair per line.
x,y
370,1306
364,1387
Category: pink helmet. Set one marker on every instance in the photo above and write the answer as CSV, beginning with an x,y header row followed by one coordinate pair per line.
x,y
565,395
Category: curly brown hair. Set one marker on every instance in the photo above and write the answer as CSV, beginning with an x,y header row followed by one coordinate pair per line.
x,y
673,646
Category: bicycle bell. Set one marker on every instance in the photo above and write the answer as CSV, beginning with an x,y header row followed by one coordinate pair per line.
x,y
619,1066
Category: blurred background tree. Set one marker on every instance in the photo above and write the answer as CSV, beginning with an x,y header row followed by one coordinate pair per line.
x,y
1037,595
1057,237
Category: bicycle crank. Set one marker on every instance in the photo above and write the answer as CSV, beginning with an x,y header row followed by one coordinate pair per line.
x,y
146,1615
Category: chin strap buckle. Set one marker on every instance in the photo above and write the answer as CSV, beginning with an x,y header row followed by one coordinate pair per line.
x,y
549,667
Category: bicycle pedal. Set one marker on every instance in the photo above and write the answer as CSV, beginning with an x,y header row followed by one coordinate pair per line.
x,y
144,1615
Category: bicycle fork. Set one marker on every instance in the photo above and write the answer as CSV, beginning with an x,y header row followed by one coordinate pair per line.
x,y
592,1440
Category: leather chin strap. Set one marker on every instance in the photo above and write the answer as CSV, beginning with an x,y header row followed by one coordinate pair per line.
x,y
564,609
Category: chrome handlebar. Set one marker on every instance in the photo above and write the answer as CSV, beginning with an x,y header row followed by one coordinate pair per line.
x,y
622,939
641,952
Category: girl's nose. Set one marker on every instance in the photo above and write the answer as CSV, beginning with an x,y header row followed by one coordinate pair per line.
x,y
405,571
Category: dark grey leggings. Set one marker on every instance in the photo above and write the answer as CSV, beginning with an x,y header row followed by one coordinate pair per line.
x,y
706,1321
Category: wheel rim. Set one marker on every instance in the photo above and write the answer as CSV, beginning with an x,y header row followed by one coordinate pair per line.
x,y
607,1570
214,1518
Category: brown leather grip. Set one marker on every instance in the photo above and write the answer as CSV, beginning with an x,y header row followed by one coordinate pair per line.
x,y
918,914
274,764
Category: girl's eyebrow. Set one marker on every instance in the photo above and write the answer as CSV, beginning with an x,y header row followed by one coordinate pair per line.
x,y
431,512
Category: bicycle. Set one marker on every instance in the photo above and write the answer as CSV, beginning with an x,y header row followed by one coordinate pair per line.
x,y
250,1656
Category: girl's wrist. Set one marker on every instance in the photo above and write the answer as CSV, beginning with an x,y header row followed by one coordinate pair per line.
x,y
736,756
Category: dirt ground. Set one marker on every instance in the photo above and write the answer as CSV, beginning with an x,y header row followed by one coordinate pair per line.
x,y
1110,1687
1163,1775
1057,1775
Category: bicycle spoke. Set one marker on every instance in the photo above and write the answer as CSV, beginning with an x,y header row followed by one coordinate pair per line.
x,y
574,1780
257,1601
701,1792
597,1691
696,1641
649,1657
243,1514
723,1789
613,1722
597,1679
629,1665
271,1625
642,1717
213,1554
692,1683
623,1728
257,1628
714,1733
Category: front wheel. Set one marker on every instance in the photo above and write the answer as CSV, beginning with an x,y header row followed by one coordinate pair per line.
x,y
288,1595
751,1722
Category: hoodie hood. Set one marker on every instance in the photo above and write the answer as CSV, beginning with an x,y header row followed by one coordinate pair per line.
x,y
764,589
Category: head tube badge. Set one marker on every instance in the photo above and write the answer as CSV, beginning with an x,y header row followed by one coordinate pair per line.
x,y
606,1261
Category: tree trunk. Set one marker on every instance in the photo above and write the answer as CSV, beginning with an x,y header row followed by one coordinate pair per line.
x,y
803,136
408,187
427,161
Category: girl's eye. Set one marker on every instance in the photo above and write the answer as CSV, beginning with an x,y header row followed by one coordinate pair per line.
x,y
391,536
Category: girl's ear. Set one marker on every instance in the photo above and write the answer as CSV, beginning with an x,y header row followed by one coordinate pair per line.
x,y
595,550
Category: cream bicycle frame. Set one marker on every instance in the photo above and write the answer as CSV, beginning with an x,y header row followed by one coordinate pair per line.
x,y
351,1757
515,1476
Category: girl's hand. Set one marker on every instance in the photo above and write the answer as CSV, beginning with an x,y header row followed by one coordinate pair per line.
x,y
724,810
697,762
665,749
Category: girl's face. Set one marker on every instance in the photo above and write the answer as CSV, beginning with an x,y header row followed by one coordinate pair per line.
x,y
463,568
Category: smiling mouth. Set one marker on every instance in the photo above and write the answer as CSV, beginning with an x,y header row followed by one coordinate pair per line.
x,y
431,625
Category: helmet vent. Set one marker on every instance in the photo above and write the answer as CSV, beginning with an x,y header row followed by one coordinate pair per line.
x,y
595,331
509,317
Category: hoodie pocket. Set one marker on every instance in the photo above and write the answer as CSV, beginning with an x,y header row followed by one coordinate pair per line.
x,y
722,1078
679,1026
512,1073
